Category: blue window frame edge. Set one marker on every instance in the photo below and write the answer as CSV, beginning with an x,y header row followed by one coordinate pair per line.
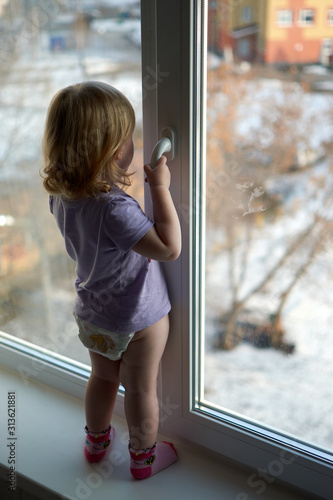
x,y
266,453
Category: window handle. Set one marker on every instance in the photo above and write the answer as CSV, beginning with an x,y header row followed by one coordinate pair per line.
x,y
165,145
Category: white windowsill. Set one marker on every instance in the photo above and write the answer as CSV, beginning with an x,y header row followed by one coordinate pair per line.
x,y
50,463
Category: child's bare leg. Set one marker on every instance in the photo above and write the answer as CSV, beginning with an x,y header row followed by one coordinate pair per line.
x,y
100,398
138,374
101,392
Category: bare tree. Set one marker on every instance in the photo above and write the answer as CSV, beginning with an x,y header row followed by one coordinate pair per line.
x,y
239,202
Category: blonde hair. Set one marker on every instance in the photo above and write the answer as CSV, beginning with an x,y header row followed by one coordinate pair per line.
x,y
86,126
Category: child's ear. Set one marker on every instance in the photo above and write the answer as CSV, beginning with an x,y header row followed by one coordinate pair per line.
x,y
119,154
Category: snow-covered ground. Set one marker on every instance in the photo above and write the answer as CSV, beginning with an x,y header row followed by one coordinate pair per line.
x,y
288,392
261,102
29,86
292,393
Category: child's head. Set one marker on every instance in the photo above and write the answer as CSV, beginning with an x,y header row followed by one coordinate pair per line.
x,y
86,126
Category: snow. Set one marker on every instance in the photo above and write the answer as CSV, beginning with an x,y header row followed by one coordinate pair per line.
x,y
292,393
24,100
117,3
257,114
315,70
102,26
288,392
323,86
26,95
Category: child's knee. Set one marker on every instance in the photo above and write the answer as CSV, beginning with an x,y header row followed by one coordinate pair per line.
x,y
105,369
106,377
138,380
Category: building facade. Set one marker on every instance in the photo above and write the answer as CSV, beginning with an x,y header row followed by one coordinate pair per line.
x,y
234,27
299,31
273,31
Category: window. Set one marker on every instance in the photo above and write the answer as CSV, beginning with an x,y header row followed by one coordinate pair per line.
x,y
330,16
307,16
326,51
264,252
284,18
246,14
234,185
326,45
46,46
237,190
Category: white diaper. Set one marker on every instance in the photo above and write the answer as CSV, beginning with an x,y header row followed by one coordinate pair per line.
x,y
97,339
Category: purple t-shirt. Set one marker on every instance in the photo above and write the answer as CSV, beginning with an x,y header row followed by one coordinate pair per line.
x,y
117,289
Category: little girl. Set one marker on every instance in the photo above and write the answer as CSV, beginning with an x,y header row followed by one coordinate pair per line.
x,y
122,303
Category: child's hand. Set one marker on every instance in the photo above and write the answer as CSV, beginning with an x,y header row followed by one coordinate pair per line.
x,y
159,175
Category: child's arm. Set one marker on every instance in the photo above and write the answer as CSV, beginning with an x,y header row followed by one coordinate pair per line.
x,y
163,240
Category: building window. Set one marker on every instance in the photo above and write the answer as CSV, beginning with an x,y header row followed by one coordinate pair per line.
x,y
330,17
284,17
212,5
327,45
246,16
307,17
326,51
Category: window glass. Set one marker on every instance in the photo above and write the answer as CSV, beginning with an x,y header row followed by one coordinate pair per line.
x,y
46,46
330,16
267,337
306,16
284,17
246,14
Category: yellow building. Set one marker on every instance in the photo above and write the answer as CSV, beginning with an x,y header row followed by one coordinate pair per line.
x,y
235,26
274,31
298,31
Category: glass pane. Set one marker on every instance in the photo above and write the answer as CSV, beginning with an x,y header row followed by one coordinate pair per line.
x,y
268,241
46,46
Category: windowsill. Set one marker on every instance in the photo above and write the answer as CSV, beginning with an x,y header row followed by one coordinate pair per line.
x,y
50,462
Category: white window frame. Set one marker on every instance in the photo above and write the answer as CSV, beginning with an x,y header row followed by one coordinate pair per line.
x,y
326,45
171,44
284,18
246,15
330,17
303,14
